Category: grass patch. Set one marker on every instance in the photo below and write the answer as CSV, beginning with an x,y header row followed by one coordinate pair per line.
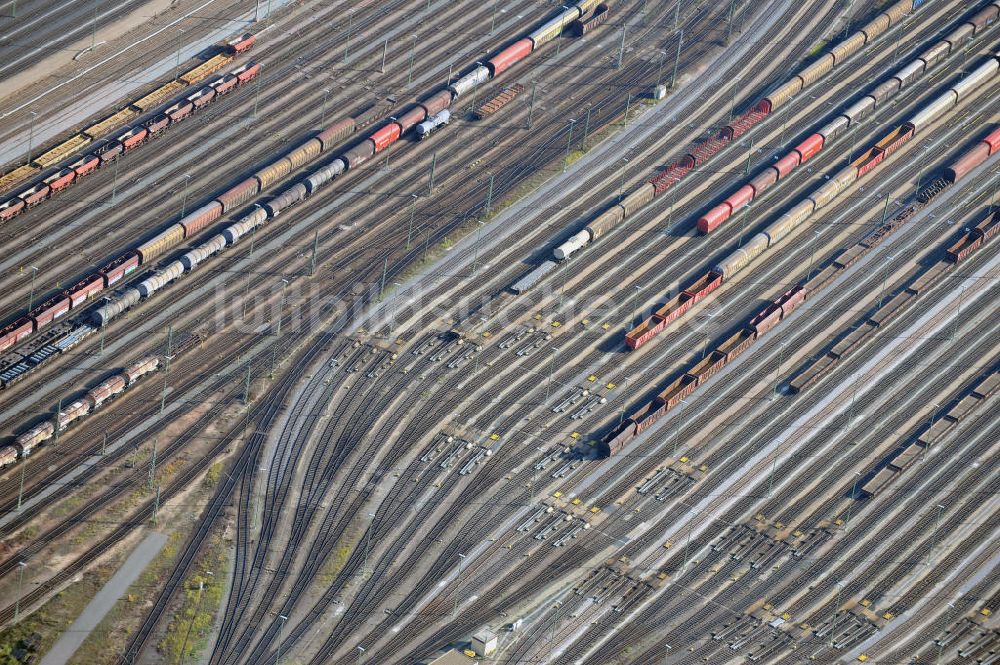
x,y
52,619
104,643
187,633
815,50
333,565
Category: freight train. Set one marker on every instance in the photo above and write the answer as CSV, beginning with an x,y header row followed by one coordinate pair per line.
x,y
879,97
903,457
701,153
431,109
92,400
778,310
101,143
423,116
820,198
891,308
61,304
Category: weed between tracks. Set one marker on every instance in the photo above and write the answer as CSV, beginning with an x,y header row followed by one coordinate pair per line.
x,y
56,616
188,632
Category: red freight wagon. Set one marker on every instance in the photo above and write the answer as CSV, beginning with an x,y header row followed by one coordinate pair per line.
x,y
643,332
507,57
737,344
242,44
336,133
385,137
179,111
109,152
987,226
993,140
787,164
248,73
898,137
86,164
34,195
410,118
61,179
202,98
157,123
615,441
708,367
10,208
133,137
714,218
227,83
600,16
359,154
809,147
86,288
437,102
740,197
766,319
764,179
645,417
967,162
675,307
677,391
49,311
790,300
869,160
119,268
196,220
239,194
107,389
965,246
701,288
15,332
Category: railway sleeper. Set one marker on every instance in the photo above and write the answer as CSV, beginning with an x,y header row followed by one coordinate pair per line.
x,y
652,482
747,637
960,630
574,532
614,589
767,555
831,624
632,597
742,624
587,409
677,485
854,636
768,650
592,580
747,545
985,641
727,539
815,539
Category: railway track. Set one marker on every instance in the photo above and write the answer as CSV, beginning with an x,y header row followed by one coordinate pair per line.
x,y
397,542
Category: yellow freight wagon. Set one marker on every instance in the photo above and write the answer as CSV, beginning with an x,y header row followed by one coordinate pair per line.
x,y
62,151
158,96
8,180
111,122
206,68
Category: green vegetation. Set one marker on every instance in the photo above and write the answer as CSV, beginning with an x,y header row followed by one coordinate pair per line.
x,y
188,632
52,619
333,565
820,45
213,474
